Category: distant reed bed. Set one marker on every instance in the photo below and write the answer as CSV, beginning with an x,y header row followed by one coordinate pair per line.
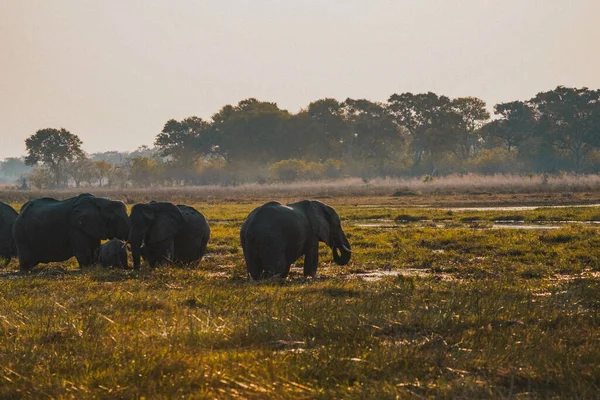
x,y
350,187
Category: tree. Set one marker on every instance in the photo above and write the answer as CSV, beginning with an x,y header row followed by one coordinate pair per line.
x,y
571,119
515,125
81,170
374,134
53,148
327,131
185,141
40,177
473,116
102,171
430,119
252,131
14,167
143,171
117,177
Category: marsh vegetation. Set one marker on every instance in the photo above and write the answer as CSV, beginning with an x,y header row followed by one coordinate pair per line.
x,y
433,305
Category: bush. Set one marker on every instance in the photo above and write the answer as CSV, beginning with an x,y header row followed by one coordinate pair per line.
x,y
496,160
286,170
293,170
41,178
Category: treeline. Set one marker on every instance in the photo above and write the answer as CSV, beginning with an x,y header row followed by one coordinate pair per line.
x,y
409,134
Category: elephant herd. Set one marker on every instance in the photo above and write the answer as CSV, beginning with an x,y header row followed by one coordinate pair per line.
x,y
273,236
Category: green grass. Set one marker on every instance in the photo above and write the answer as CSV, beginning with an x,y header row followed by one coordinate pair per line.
x,y
490,313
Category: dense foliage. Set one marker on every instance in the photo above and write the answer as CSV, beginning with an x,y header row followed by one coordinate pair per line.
x,y
410,134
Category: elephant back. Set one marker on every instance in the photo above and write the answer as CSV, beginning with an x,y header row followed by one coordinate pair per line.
x,y
194,220
8,215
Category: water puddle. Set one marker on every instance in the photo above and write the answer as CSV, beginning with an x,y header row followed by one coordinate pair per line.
x,y
378,225
487,208
408,272
515,208
388,224
524,226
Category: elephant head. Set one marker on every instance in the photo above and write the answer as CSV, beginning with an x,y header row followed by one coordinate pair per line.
x,y
100,218
151,223
327,226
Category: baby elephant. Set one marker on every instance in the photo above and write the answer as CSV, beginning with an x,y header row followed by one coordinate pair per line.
x,y
113,254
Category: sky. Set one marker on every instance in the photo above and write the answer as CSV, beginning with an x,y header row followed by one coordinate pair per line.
x,y
113,72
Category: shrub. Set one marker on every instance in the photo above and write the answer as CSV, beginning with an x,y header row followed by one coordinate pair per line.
x,y
292,170
286,170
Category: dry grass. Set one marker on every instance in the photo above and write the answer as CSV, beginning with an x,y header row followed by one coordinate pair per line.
x,y
470,184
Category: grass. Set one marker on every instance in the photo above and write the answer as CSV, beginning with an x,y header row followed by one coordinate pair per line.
x,y
475,313
538,189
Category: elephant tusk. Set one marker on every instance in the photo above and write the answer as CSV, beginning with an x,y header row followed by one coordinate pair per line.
x,y
347,249
143,244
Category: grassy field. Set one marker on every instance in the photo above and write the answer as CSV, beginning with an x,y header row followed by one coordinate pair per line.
x,y
436,302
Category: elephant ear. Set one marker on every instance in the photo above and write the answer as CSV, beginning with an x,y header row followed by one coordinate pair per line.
x,y
319,221
109,209
87,217
168,220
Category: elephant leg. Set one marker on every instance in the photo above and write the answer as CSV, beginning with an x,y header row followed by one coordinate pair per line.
x,y
274,264
311,259
167,254
27,265
26,262
252,264
83,250
26,256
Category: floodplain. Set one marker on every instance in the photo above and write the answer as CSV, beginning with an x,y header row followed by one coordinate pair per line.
x,y
448,296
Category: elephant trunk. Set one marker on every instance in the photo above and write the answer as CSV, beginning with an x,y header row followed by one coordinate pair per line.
x,y
137,242
342,252
123,230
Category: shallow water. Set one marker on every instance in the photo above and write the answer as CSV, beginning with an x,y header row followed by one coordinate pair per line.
x,y
515,208
408,272
388,224
489,208
524,226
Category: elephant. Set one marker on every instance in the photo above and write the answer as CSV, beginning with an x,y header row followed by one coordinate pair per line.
x,y
8,215
112,254
162,232
51,230
275,235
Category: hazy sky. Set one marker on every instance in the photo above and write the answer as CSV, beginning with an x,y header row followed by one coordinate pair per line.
x,y
113,72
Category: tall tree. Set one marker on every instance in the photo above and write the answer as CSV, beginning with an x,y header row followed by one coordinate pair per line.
x,y
374,134
429,119
515,124
102,170
329,129
14,167
473,115
81,170
185,141
53,148
571,117
252,131
143,171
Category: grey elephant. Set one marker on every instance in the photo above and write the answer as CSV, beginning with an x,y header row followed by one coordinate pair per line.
x,y
112,254
51,230
8,215
162,233
275,235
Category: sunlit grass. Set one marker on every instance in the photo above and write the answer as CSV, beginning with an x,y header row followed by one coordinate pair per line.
x,y
475,313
